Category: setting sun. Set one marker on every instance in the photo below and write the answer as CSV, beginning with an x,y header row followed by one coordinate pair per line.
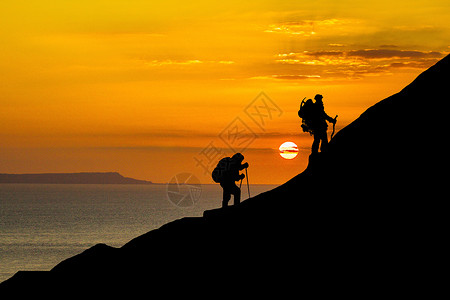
x,y
288,150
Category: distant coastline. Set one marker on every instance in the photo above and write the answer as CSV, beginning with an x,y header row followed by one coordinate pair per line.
x,y
71,178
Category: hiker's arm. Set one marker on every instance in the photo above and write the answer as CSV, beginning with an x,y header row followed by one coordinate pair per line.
x,y
328,118
242,167
239,177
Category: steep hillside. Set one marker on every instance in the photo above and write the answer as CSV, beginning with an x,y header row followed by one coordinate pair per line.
x,y
365,215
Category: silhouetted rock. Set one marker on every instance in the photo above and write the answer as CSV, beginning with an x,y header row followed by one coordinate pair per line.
x,y
71,178
364,216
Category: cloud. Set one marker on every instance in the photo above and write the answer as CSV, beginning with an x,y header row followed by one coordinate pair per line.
x,y
173,62
365,53
305,28
309,28
295,77
389,53
286,77
168,62
388,46
355,63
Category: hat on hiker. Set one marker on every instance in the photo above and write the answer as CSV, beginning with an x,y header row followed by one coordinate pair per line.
x,y
318,97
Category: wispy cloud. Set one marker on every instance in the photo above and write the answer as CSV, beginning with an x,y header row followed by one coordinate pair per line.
x,y
305,28
287,77
168,62
337,57
356,63
387,53
309,28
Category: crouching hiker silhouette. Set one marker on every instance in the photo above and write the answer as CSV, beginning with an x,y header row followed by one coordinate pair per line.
x,y
314,121
227,173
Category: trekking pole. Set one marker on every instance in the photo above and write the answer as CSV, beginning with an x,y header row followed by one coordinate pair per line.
x,y
334,126
240,184
303,101
248,187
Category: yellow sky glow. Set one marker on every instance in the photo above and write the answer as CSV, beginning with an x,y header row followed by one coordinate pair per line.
x,y
146,87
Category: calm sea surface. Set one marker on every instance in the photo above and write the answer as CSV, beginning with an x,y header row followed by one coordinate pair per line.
x,y
43,224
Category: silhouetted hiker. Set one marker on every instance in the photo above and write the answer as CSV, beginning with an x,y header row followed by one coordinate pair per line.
x,y
227,173
314,121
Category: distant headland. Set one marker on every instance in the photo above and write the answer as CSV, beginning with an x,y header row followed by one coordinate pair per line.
x,y
71,178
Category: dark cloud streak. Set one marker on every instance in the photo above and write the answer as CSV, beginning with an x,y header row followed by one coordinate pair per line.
x,y
389,53
351,64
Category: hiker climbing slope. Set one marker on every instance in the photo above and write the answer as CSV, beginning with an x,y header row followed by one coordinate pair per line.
x,y
227,173
315,122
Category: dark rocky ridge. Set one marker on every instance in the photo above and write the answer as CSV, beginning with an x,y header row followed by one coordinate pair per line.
x,y
365,218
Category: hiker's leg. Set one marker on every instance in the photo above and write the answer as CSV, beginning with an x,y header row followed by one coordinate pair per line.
x,y
237,195
324,138
226,198
315,145
226,195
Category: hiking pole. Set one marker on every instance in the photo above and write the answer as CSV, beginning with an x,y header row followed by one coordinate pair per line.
x,y
334,126
240,184
248,187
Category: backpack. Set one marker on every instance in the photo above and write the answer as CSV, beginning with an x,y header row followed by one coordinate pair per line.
x,y
222,170
306,113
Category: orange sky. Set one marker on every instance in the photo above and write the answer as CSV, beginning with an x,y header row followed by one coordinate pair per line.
x,y
150,88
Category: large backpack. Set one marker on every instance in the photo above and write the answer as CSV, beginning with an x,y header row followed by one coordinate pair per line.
x,y
306,113
222,170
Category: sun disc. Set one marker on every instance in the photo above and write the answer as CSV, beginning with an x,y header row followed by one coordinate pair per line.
x,y
288,150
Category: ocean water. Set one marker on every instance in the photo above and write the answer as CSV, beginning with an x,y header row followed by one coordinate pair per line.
x,y
43,224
